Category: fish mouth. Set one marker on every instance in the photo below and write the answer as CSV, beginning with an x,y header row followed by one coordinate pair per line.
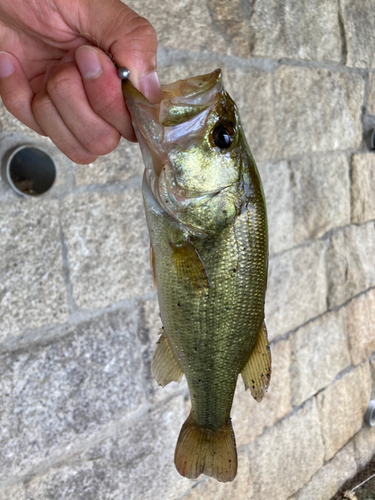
x,y
178,120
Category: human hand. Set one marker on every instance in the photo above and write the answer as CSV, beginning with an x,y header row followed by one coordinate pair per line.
x,y
56,78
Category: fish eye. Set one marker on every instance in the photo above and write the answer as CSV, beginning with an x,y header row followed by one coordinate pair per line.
x,y
223,135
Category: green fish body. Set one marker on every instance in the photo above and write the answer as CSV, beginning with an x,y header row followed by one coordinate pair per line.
x,y
207,221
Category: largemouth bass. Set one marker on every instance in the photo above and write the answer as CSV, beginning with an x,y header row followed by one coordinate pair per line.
x,y
207,221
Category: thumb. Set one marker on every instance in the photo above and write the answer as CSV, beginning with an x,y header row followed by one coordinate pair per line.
x,y
129,38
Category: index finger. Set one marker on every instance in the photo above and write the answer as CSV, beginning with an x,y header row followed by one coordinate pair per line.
x,y
130,39
103,89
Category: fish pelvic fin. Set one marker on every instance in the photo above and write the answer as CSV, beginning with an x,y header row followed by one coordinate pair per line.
x,y
165,366
205,451
256,373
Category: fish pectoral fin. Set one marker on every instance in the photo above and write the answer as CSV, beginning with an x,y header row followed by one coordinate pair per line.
x,y
165,366
206,451
256,373
189,267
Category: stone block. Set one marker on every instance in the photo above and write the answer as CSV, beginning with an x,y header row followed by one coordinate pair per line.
x,y
296,288
108,247
317,110
363,188
285,457
319,352
278,192
251,89
214,26
342,407
350,263
371,94
172,73
123,164
361,327
329,479
321,195
249,417
6,192
148,334
14,493
240,488
358,18
56,395
8,123
364,442
230,21
32,286
296,29
135,463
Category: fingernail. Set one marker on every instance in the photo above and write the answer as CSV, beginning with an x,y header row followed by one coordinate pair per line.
x,y
149,85
6,65
88,63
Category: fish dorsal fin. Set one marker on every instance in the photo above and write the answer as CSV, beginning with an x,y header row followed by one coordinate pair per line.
x,y
190,268
256,373
165,366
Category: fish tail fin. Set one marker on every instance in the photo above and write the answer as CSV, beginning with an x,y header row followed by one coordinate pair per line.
x,y
204,451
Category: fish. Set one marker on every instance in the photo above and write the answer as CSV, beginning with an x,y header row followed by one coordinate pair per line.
x,y
207,221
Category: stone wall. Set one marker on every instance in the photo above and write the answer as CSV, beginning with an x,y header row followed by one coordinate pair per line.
x,y
80,416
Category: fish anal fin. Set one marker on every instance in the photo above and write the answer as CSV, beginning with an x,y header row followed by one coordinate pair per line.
x,y
256,373
189,267
164,366
205,451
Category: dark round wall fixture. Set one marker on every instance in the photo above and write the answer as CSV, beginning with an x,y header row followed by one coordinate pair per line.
x,y
370,139
29,170
370,413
